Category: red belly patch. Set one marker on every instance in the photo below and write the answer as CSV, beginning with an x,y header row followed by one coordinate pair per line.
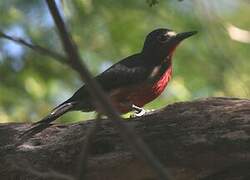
x,y
140,94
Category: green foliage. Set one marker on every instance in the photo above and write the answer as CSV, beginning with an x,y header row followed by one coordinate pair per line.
x,y
208,64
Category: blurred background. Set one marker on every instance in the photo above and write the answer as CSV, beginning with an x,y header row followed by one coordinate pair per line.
x,y
215,62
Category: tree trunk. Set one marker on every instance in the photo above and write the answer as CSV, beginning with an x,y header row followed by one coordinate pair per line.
x,y
204,139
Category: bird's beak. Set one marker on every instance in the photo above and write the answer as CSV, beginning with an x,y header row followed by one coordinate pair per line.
x,y
181,36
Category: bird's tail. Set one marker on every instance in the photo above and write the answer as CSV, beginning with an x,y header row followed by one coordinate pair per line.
x,y
46,121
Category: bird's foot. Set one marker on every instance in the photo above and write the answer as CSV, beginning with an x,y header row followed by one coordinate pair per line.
x,y
139,111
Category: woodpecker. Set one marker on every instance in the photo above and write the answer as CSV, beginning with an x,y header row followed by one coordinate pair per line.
x,y
131,83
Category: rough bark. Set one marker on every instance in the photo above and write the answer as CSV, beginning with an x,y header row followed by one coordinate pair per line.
x,y
204,139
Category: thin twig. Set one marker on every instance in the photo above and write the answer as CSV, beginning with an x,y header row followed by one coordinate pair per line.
x,y
138,146
68,44
41,50
35,47
86,146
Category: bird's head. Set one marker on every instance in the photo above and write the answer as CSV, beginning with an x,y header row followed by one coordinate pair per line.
x,y
161,43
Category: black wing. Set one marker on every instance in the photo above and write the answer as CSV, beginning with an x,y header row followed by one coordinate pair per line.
x,y
129,71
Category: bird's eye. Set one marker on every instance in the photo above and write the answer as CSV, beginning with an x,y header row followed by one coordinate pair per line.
x,y
162,38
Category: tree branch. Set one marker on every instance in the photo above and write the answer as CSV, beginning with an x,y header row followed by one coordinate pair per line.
x,y
199,140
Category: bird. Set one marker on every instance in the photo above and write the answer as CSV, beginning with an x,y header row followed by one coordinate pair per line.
x,y
130,83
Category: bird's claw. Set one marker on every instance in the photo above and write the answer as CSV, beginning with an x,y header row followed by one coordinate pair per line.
x,y
139,111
